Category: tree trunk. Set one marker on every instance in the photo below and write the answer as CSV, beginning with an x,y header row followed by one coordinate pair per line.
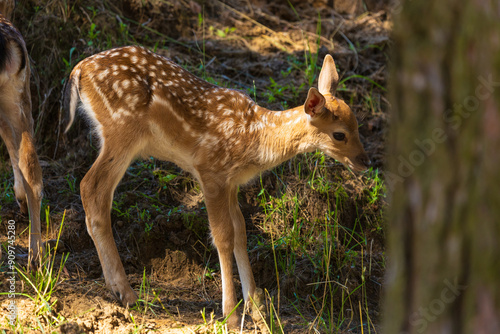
x,y
443,176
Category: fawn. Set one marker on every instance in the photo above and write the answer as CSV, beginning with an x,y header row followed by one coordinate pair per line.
x,y
16,124
142,104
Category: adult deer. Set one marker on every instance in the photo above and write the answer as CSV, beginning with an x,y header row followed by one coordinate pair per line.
x,y
16,124
141,104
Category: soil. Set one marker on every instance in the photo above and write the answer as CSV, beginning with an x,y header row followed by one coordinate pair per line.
x,y
171,245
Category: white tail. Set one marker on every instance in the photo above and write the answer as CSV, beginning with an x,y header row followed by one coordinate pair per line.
x,y
142,105
16,125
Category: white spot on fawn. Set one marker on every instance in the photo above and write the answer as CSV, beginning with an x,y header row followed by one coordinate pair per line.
x,y
117,89
101,76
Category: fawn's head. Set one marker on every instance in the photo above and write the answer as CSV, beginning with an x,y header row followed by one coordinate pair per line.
x,y
334,121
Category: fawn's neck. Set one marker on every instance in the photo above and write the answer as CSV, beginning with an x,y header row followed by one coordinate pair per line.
x,y
283,135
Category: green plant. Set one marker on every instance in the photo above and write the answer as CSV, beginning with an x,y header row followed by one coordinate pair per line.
x,y
208,273
317,180
124,31
376,189
214,326
148,227
221,33
92,34
43,282
195,223
71,180
274,90
120,212
164,177
312,58
69,62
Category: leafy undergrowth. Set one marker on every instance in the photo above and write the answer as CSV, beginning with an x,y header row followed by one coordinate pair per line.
x,y
315,229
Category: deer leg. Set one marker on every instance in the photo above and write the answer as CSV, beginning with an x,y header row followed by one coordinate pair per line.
x,y
240,248
254,297
217,201
97,188
27,174
12,139
32,182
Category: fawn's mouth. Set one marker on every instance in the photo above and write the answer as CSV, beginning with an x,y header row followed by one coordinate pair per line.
x,y
358,168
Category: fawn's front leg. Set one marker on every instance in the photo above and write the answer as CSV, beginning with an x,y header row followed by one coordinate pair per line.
x,y
27,172
219,215
242,260
97,188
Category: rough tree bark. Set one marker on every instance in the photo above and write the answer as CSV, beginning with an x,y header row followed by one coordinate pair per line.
x,y
444,223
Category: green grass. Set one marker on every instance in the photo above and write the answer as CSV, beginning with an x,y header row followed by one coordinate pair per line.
x,y
326,245
39,285
148,304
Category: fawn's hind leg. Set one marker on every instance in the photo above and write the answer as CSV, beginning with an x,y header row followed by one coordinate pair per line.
x,y
16,134
32,181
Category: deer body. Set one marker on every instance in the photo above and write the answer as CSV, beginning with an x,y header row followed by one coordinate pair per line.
x,y
142,105
16,124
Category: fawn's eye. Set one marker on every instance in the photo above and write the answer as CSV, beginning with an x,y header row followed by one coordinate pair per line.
x,y
339,136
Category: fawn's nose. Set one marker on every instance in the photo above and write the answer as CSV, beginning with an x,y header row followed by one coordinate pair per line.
x,y
364,160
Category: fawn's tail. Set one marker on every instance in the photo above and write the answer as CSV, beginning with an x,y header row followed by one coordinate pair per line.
x,y
71,95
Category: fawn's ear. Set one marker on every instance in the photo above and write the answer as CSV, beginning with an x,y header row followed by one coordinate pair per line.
x,y
328,77
314,103
6,8
12,59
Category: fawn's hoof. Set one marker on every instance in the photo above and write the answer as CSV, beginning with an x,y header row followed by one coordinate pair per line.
x,y
258,306
258,310
234,321
127,296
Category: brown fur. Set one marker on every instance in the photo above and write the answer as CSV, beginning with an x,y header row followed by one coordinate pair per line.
x,y
142,105
16,126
